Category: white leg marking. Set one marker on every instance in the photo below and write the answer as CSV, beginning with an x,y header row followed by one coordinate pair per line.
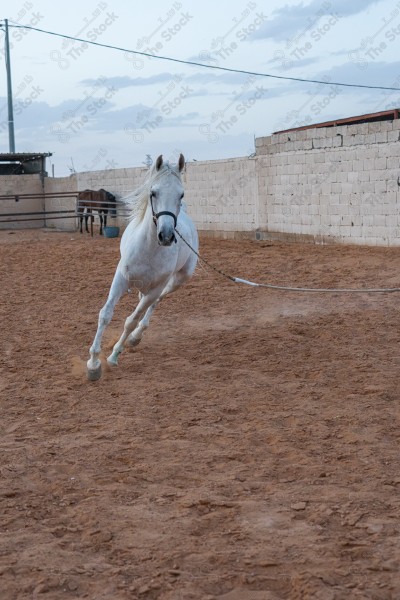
x,y
118,287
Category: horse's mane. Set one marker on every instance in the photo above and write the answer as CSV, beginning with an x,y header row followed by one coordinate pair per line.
x,y
137,201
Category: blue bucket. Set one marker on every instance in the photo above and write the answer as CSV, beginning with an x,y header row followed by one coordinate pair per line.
x,y
111,232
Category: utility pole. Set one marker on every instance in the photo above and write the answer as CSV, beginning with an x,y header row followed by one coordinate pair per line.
x,y
11,137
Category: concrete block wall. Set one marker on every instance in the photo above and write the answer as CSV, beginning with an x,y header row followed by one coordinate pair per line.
x,y
57,185
222,195
21,184
334,184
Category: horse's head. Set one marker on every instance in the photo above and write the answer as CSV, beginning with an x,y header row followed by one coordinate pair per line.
x,y
166,193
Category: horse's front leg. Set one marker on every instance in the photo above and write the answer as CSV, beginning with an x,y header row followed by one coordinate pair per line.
x,y
133,320
86,222
101,223
118,287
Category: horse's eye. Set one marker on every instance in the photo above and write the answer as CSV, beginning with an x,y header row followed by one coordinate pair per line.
x,y
182,195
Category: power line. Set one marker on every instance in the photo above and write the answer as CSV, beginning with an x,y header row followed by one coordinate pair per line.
x,y
197,64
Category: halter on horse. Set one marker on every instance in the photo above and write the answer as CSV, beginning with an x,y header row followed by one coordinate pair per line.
x,y
150,260
101,201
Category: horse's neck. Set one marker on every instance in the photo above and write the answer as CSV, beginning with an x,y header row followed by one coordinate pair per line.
x,y
146,229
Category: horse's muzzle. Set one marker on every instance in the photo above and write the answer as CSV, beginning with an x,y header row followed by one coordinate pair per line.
x,y
166,239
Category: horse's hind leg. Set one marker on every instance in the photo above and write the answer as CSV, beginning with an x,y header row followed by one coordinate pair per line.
x,y
118,287
101,223
145,302
173,284
136,336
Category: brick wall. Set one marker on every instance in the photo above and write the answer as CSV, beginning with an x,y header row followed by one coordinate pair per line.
x,y
222,195
333,184
119,182
21,184
57,185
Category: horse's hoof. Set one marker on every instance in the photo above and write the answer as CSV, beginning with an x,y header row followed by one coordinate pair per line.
x,y
112,360
132,342
93,374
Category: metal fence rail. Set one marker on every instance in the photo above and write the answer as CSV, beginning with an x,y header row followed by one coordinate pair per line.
x,y
119,209
18,197
43,218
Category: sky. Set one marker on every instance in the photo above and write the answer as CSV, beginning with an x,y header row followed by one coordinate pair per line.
x,y
98,108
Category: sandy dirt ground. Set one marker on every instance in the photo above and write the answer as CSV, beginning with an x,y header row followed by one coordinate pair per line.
x,y
248,449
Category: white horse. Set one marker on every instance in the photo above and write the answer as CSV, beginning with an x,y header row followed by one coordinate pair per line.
x,y
152,259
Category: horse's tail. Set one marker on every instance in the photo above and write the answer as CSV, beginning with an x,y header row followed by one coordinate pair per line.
x,y
113,201
109,202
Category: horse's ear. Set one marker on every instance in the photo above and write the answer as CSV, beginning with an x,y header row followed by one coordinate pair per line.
x,y
159,162
181,163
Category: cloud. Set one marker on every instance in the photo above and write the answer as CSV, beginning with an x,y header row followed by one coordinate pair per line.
x,y
222,78
124,82
366,73
187,120
286,63
70,116
326,102
292,19
204,77
112,120
353,71
39,113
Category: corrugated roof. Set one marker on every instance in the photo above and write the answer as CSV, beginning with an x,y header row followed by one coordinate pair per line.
x,y
22,156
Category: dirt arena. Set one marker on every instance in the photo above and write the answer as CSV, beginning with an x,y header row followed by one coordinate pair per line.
x,y
248,449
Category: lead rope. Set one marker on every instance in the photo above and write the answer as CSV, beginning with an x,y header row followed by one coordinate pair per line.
x,y
288,288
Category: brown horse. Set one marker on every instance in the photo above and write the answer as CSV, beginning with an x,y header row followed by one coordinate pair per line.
x,y
90,200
